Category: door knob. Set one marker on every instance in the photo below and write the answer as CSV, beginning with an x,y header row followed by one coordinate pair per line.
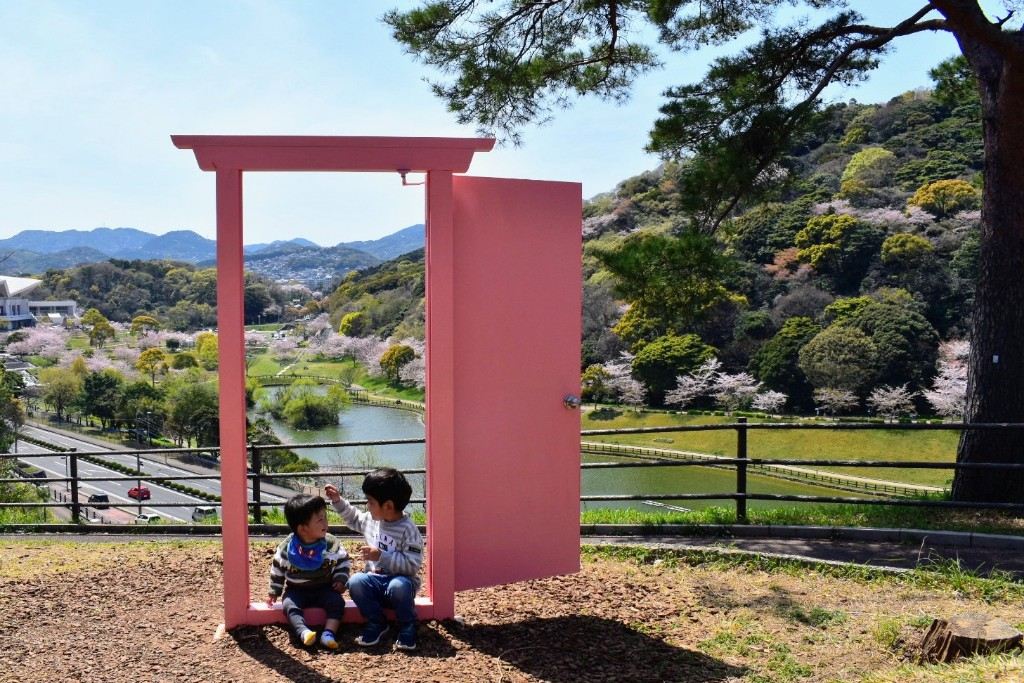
x,y
572,402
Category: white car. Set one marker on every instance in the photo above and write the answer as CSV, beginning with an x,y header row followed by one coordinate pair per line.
x,y
147,518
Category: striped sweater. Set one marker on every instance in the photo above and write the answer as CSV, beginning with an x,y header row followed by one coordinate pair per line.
x,y
400,542
335,567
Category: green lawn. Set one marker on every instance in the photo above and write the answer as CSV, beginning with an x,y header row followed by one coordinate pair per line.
x,y
928,446
263,365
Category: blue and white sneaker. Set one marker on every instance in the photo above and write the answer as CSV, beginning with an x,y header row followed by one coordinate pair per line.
x,y
372,634
406,636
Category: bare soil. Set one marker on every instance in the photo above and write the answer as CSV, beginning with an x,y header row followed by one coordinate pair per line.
x,y
147,611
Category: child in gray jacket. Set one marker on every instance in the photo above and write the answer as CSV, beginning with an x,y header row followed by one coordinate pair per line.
x,y
393,555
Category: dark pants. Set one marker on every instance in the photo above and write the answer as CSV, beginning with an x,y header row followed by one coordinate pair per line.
x,y
297,599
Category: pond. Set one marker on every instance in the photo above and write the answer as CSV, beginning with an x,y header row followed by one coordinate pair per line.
x,y
371,423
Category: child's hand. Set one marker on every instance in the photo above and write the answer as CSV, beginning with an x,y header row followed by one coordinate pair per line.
x,y
368,553
332,493
271,599
339,586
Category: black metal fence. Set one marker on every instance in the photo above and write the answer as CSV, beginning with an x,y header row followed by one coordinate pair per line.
x,y
644,458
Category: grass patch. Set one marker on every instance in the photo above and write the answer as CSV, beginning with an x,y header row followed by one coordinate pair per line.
x,y
821,515
944,576
928,446
263,364
975,670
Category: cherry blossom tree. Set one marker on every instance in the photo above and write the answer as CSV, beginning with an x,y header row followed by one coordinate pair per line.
x,y
318,328
694,385
48,342
834,401
734,392
769,401
892,401
283,349
151,340
414,373
948,394
255,339
632,393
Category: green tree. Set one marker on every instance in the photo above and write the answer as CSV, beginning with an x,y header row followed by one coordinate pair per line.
x,y
183,361
101,394
672,283
595,384
144,323
393,359
149,362
946,197
509,63
658,364
870,168
905,250
777,363
206,350
840,357
839,246
192,411
100,329
61,387
905,342
354,324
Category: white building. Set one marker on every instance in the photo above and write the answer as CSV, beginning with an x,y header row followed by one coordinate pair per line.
x,y
16,310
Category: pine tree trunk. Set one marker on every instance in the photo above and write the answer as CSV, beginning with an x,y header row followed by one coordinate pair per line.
x,y
995,390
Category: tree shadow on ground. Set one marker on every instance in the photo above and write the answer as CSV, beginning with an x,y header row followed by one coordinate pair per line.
x,y
604,414
581,648
253,641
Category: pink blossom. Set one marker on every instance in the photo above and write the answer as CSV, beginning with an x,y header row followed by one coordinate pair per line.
x,y
414,373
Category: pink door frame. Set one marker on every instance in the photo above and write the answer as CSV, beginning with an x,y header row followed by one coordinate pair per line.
x,y
439,158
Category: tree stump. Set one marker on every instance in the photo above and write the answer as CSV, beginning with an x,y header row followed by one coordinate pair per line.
x,y
965,635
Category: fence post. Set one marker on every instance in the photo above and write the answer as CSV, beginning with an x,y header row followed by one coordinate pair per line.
x,y
741,471
257,510
73,460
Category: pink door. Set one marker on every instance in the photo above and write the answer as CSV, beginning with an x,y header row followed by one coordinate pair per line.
x,y
516,282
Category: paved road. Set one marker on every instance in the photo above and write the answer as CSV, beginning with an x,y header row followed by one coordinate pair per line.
x,y
153,466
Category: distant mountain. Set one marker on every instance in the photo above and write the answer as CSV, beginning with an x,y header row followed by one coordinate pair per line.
x,y
393,245
35,251
105,240
314,266
21,262
277,244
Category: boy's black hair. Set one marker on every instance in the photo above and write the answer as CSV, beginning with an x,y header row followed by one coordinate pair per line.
x,y
300,509
386,484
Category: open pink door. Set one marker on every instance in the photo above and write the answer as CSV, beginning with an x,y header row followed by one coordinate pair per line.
x,y
516,248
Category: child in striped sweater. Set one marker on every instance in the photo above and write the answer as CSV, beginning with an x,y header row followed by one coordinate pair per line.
x,y
311,569
393,555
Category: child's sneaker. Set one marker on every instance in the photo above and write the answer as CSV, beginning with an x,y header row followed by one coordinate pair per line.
x,y
406,637
372,633
307,637
327,640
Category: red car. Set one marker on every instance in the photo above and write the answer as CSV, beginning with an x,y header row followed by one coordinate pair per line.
x,y
138,493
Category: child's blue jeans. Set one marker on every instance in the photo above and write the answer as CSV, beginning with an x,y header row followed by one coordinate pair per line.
x,y
373,592
297,599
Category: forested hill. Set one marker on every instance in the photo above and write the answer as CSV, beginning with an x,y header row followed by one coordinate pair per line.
x,y
857,258
181,295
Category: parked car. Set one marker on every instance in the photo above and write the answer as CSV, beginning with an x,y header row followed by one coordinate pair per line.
x,y
147,518
101,501
138,493
203,513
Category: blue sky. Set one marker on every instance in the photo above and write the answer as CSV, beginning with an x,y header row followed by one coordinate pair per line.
x,y
93,90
